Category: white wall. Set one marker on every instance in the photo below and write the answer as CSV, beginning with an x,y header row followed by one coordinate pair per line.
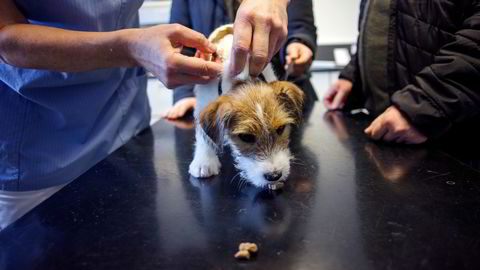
x,y
155,12
336,21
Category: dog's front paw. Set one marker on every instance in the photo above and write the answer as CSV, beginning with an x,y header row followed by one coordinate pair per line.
x,y
205,166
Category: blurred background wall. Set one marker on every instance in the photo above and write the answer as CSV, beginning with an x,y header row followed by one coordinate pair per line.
x,y
336,20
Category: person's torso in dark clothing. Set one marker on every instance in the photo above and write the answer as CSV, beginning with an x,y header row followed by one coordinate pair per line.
x,y
416,32
423,57
422,28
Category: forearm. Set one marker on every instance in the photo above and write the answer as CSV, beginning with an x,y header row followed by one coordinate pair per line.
x,y
350,71
301,23
41,47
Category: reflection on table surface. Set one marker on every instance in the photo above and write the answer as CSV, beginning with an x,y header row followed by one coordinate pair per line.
x,y
350,203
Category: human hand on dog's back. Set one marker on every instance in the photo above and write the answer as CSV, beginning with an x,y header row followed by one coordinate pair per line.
x,y
260,29
158,49
301,56
337,95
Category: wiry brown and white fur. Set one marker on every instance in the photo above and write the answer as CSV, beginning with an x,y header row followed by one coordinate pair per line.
x,y
254,118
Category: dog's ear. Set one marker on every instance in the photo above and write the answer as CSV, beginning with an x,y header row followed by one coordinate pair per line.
x,y
215,118
290,96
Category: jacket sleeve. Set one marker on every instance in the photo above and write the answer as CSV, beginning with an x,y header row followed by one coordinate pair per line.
x,y
180,13
351,71
301,25
181,92
447,92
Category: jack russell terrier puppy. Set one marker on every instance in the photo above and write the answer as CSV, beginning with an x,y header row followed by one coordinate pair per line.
x,y
253,117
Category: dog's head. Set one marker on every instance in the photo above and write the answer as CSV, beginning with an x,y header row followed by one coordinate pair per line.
x,y
256,119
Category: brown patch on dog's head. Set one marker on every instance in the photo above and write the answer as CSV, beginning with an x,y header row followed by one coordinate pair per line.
x,y
291,97
215,118
258,116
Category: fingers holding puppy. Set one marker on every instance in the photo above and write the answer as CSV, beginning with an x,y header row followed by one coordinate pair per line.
x,y
158,49
260,29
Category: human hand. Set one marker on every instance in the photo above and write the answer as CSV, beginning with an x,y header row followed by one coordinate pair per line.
x,y
260,29
217,57
180,108
337,94
158,49
392,126
301,56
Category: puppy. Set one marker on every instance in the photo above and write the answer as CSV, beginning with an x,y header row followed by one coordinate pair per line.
x,y
253,117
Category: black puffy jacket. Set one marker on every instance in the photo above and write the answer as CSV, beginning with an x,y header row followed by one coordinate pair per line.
x,y
423,56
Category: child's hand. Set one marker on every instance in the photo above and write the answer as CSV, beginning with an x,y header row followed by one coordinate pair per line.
x,y
301,56
180,108
392,126
337,95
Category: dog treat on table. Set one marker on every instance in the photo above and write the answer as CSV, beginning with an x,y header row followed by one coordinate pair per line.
x,y
244,250
242,254
251,247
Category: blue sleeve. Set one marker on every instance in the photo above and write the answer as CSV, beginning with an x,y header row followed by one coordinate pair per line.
x,y
180,13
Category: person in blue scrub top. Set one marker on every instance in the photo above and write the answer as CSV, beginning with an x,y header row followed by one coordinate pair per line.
x,y
73,83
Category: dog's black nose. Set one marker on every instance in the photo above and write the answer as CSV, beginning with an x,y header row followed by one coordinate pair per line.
x,y
274,176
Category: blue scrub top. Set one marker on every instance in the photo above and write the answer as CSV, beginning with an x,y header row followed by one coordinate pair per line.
x,y
56,125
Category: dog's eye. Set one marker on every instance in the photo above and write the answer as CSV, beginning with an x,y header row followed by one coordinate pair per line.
x,y
245,137
280,130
